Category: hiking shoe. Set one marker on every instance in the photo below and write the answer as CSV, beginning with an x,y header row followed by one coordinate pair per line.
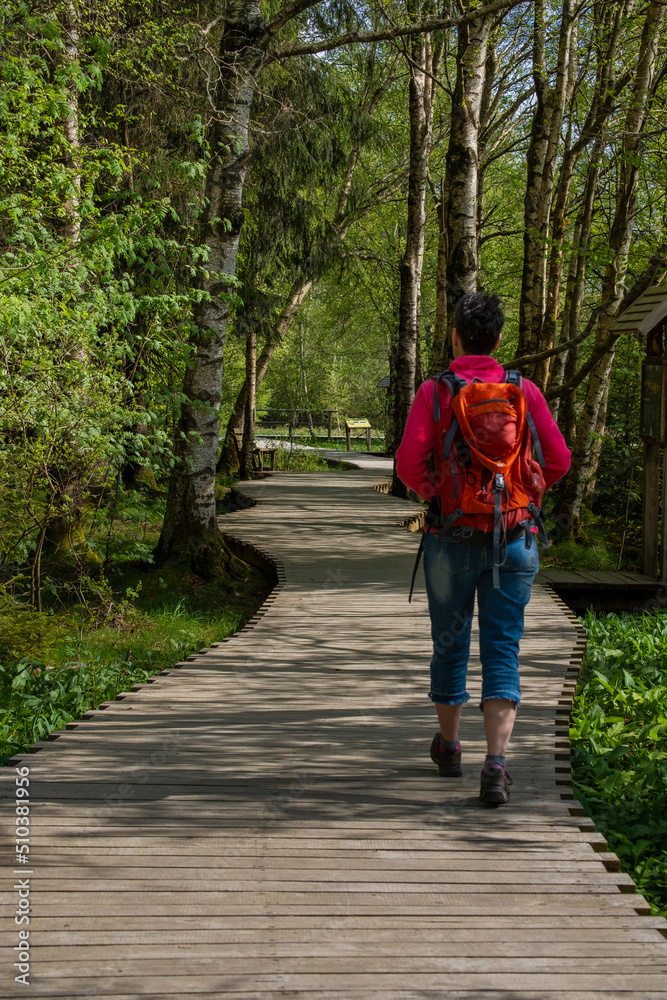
x,y
448,761
494,788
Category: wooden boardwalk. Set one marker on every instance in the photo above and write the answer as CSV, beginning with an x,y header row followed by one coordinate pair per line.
x,y
606,591
265,822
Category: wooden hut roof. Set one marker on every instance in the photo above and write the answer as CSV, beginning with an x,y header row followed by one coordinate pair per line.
x,y
649,309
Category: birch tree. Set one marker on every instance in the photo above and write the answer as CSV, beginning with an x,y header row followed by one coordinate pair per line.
x,y
550,103
190,526
458,215
423,63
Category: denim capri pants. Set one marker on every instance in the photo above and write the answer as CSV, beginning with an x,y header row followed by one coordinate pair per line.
x,y
454,572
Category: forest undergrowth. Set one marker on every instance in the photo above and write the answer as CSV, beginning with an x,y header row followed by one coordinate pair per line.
x,y
99,635
618,737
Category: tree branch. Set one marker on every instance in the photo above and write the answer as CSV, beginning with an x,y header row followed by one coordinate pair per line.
x,y
533,359
287,13
356,37
598,352
657,263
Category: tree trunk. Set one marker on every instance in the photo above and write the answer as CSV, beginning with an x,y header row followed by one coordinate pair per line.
x,y
298,293
71,227
576,483
63,537
566,363
541,160
596,446
458,255
603,102
421,67
190,528
441,350
304,380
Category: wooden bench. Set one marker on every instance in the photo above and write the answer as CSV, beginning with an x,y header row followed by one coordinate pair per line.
x,y
258,456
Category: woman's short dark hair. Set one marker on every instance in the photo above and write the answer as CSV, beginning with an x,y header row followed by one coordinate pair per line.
x,y
479,322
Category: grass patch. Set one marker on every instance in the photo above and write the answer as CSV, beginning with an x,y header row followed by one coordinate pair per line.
x,y
597,554
99,636
356,444
602,539
303,461
619,743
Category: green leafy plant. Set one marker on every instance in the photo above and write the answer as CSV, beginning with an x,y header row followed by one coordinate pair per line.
x,y
619,743
34,700
92,664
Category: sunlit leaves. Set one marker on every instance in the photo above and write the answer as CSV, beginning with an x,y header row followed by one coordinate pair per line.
x,y
619,742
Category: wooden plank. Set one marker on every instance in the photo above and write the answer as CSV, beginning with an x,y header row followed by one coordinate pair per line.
x,y
364,966
149,904
385,994
537,926
299,883
395,861
81,956
559,576
262,985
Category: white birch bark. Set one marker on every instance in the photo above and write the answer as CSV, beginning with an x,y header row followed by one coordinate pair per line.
x,y
423,66
541,161
458,252
190,526
72,226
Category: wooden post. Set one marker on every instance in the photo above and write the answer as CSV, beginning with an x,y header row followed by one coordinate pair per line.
x,y
368,440
248,447
651,510
347,437
663,523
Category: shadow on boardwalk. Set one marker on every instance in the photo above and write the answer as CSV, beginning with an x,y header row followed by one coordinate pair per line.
x,y
265,822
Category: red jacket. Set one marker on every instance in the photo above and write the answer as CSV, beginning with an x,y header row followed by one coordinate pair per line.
x,y
419,437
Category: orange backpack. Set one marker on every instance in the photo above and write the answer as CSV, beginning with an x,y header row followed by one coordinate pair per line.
x,y
489,488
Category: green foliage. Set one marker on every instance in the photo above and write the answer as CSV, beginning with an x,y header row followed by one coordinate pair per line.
x,y
34,701
98,277
25,633
101,635
356,444
88,661
288,460
92,664
594,551
619,743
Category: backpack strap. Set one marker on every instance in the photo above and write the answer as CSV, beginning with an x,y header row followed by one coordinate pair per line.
x,y
498,489
414,571
536,438
454,382
447,446
539,517
445,525
516,378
